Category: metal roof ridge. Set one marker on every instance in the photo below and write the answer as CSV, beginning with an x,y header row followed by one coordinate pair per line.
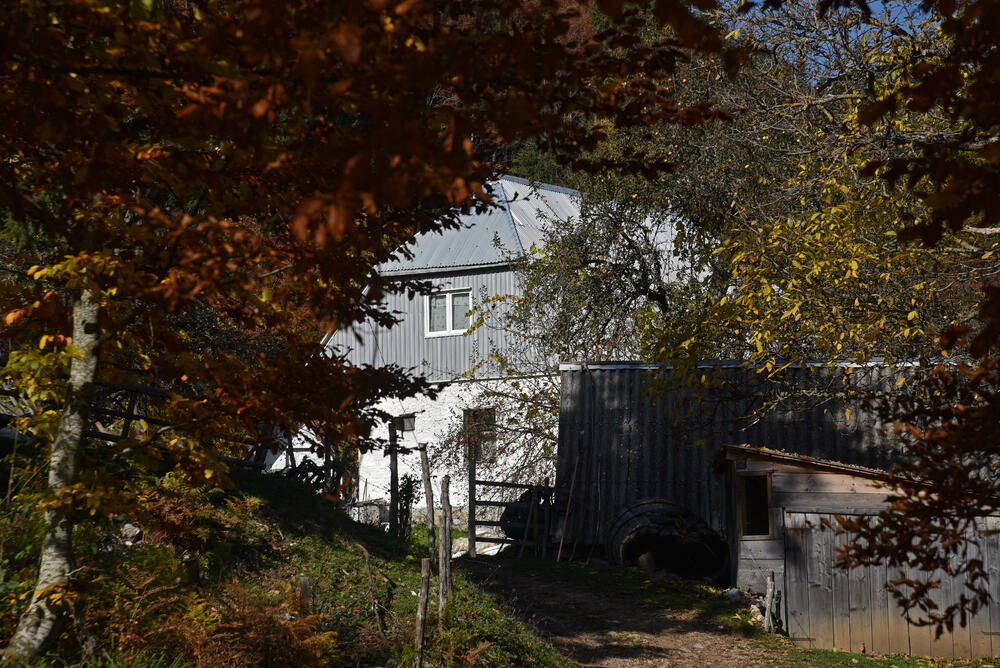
x,y
538,185
730,363
443,269
510,217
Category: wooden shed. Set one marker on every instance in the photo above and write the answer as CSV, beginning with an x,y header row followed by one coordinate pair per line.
x,y
769,488
786,507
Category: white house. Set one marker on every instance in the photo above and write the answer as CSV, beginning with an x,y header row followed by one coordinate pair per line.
x,y
465,266
435,338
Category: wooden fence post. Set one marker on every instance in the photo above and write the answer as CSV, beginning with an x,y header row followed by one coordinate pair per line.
x,y
769,603
393,482
425,583
444,561
472,504
425,467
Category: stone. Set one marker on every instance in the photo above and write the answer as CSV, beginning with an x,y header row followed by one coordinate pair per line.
x,y
131,533
734,594
647,562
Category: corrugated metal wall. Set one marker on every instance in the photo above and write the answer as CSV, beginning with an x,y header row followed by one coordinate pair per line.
x,y
630,446
438,358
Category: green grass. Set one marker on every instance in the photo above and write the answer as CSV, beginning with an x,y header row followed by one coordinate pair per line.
x,y
281,580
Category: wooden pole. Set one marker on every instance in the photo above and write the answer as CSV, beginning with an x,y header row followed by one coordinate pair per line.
x,y
569,502
393,482
528,522
546,516
444,560
448,523
425,584
769,603
472,504
425,467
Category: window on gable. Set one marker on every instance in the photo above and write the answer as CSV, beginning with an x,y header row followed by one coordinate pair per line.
x,y
479,430
755,506
446,312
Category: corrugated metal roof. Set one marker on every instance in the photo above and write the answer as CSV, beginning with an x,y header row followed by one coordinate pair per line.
x,y
744,450
516,222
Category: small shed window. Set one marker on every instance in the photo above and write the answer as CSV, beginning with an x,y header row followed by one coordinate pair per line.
x,y
755,506
405,422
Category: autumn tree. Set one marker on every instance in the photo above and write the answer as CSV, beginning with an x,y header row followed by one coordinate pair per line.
x,y
835,273
856,134
257,158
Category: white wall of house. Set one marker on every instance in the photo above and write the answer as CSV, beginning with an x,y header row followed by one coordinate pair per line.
x,y
434,420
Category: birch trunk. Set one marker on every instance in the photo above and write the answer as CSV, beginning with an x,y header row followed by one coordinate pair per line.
x,y
42,622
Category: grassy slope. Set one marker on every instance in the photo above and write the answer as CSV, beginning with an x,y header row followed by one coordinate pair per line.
x,y
281,580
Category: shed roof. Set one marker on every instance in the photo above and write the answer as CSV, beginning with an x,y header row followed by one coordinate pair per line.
x,y
745,450
517,221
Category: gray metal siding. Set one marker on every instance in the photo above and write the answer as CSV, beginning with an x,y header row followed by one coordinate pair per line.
x,y
437,358
631,447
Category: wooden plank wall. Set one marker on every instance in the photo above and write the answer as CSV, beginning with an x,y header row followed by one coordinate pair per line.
x,y
799,488
852,610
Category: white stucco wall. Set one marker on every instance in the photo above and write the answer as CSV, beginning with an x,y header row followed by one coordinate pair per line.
x,y
434,420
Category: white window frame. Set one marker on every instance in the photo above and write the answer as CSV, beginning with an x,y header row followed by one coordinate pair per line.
x,y
450,326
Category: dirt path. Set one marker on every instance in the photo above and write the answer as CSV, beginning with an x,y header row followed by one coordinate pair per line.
x,y
598,627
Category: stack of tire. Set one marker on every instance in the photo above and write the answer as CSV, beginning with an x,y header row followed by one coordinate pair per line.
x,y
656,531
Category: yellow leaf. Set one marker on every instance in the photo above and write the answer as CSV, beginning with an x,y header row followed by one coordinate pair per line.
x,y
847,414
911,315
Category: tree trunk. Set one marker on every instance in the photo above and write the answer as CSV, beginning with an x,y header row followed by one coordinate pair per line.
x,y
42,622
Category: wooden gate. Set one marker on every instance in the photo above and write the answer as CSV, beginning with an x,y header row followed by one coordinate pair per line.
x,y
852,610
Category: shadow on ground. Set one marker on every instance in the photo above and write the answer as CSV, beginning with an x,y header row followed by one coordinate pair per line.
x,y
603,615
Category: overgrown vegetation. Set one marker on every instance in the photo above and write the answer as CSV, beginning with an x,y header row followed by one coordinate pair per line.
x,y
266,573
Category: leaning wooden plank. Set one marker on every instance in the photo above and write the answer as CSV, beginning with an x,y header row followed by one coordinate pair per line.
x,y
796,578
